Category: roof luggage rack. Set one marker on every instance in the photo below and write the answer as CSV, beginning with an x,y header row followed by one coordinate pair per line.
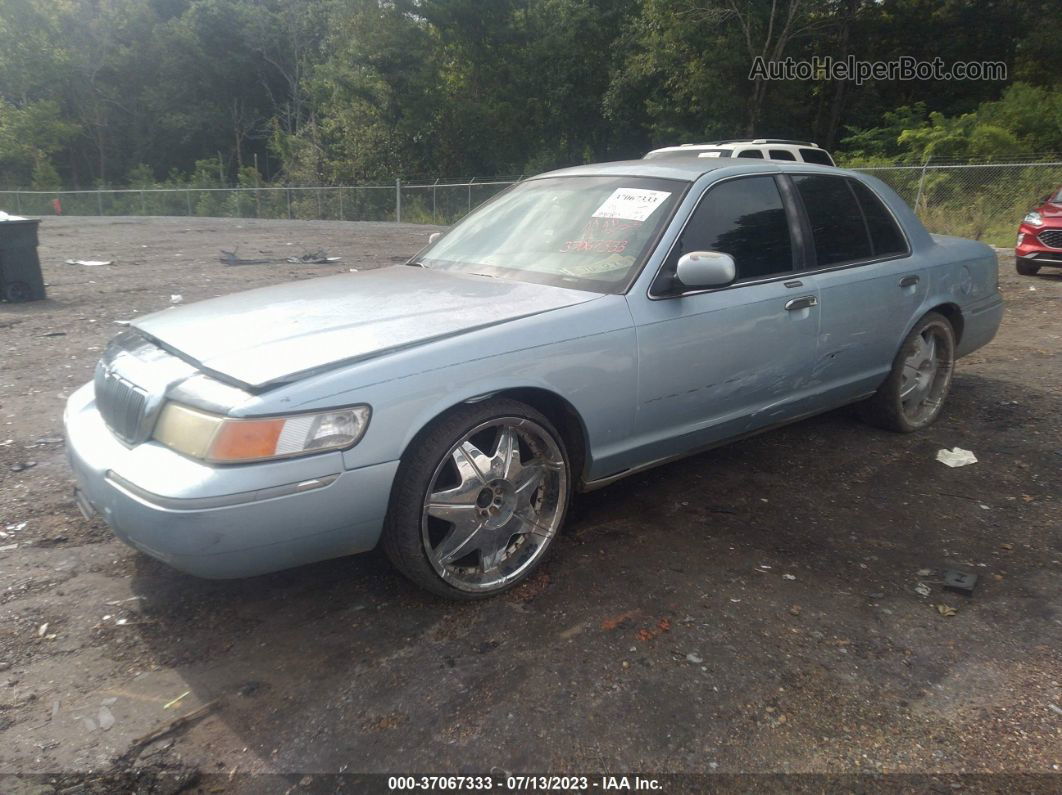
x,y
756,141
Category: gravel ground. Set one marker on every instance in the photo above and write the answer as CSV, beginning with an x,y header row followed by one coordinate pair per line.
x,y
750,610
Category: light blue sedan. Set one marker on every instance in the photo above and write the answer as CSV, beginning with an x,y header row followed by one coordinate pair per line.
x,y
583,326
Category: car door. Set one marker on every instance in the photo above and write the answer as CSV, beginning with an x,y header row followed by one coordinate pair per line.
x,y
870,286
713,364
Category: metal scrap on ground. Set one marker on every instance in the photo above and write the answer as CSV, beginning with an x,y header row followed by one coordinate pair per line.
x,y
959,581
230,258
317,257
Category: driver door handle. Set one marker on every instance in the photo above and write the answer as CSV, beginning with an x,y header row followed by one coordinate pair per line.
x,y
803,302
909,281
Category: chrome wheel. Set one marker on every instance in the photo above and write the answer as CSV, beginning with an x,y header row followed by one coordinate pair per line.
x,y
926,375
489,516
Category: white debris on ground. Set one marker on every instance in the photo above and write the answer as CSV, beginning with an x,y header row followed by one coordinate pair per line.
x,y
956,457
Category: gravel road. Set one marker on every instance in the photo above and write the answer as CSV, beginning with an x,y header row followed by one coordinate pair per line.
x,y
755,609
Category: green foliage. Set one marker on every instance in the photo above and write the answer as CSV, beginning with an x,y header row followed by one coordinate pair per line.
x,y
140,176
956,138
1026,121
881,144
45,177
29,136
328,91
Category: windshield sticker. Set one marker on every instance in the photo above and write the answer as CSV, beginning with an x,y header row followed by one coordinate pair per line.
x,y
597,246
597,267
632,204
607,227
602,236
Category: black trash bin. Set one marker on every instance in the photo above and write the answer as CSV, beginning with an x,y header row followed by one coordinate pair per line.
x,y
20,268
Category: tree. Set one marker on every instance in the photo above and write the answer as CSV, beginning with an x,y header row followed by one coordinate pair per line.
x,y
340,90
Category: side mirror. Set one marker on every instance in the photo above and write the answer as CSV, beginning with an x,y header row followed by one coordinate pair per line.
x,y
434,236
705,269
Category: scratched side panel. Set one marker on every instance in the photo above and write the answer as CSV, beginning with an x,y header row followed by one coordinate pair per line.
x,y
719,364
865,315
966,273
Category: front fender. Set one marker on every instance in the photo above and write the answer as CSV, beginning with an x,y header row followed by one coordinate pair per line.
x,y
596,376
584,354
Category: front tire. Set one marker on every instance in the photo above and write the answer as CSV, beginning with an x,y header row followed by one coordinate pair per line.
x,y
478,500
18,292
1024,267
912,396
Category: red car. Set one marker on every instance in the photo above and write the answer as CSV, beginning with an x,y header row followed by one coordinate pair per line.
x,y
1039,241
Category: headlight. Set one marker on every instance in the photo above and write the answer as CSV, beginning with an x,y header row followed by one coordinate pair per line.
x,y
226,440
1034,218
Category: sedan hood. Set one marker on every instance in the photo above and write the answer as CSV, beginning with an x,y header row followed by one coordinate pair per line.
x,y
275,334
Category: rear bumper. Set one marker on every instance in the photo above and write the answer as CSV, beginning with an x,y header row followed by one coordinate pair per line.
x,y
223,522
980,323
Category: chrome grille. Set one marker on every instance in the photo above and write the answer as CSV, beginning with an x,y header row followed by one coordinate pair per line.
x,y
1051,237
120,403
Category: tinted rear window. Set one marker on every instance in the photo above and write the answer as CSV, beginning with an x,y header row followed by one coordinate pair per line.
x,y
782,154
751,153
837,225
816,156
885,234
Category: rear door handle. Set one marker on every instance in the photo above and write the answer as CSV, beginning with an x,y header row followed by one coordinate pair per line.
x,y
909,281
803,302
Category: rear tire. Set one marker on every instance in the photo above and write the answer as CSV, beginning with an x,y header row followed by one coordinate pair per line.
x,y
1024,267
912,396
478,500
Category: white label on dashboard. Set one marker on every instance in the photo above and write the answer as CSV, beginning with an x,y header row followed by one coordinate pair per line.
x,y
631,204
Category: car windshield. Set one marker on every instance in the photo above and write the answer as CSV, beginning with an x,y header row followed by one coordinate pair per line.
x,y
588,233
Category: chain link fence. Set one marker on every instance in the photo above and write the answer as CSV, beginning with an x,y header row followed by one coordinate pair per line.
x,y
411,202
976,200
983,201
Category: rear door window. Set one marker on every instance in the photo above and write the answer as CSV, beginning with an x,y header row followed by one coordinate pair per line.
x,y
756,153
782,154
816,156
837,226
885,234
744,218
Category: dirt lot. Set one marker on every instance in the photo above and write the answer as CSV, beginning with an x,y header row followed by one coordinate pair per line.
x,y
753,609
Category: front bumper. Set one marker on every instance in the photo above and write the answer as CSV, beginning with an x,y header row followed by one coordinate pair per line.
x,y
226,521
1033,249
